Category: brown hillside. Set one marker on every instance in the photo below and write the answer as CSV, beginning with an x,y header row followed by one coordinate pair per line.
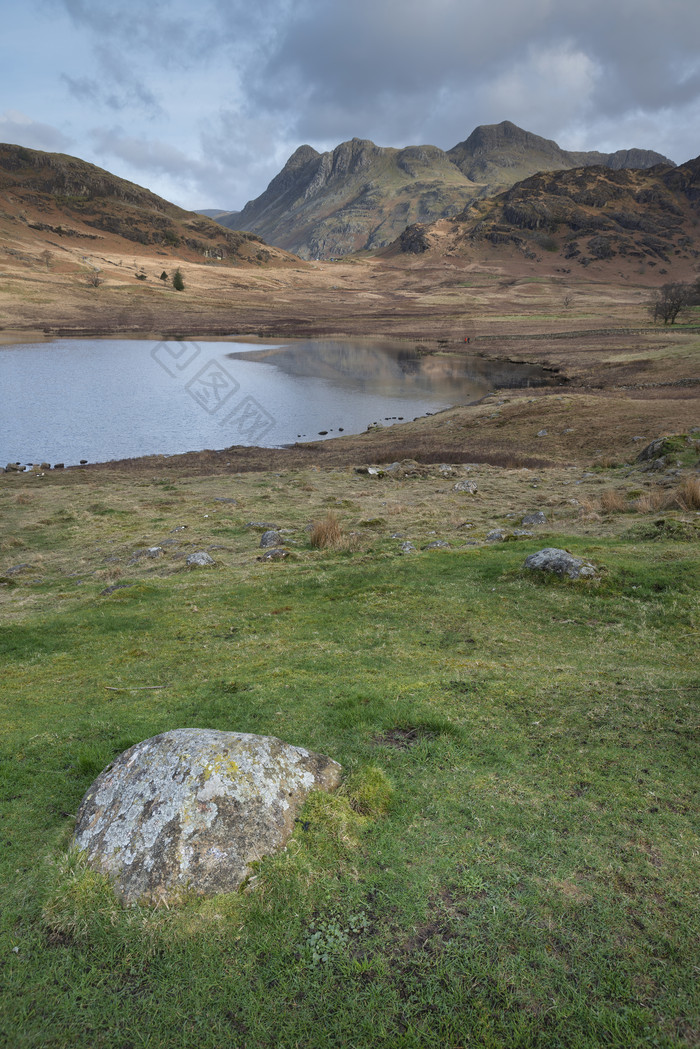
x,y
642,222
69,201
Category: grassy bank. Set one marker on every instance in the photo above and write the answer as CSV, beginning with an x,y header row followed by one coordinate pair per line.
x,y
512,859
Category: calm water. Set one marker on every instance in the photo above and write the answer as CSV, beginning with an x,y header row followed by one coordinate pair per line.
x,y
101,399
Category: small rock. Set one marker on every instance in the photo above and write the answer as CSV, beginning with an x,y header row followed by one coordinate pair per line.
x,y
466,486
408,548
278,553
538,517
542,433
263,526
438,544
154,551
560,562
496,536
520,532
17,568
116,586
199,559
270,538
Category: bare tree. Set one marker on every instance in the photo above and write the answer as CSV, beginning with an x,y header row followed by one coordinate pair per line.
x,y
94,279
46,257
669,300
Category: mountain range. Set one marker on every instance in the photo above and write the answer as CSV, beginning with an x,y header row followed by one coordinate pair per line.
x,y
360,196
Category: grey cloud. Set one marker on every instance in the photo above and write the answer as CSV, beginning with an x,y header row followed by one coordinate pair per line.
x,y
340,58
21,130
175,34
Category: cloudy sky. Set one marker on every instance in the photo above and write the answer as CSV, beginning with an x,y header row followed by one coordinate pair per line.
x,y
203,101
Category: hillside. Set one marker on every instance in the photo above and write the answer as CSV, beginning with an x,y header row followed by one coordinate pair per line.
x,y
629,220
361,196
50,196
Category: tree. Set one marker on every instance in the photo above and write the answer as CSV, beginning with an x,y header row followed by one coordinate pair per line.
x,y
164,275
669,300
178,282
46,257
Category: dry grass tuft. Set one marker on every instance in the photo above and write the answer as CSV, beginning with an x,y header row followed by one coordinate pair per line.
x,y
327,533
651,501
109,575
613,501
23,500
687,494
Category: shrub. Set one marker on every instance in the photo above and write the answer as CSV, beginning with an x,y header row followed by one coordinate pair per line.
x,y
178,281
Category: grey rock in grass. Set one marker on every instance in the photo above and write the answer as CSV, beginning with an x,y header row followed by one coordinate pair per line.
x,y
262,526
270,538
466,486
495,536
438,544
17,568
542,433
277,553
652,450
538,517
560,562
200,559
408,548
190,809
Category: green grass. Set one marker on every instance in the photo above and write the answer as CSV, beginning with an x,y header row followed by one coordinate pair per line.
x,y
513,857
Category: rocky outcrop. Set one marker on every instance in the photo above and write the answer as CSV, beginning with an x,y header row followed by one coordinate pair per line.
x,y
190,810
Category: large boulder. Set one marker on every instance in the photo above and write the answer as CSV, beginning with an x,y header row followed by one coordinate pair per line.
x,y
192,808
560,562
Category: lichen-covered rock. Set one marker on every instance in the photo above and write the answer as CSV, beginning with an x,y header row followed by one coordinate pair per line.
x,y
535,518
192,808
200,559
562,563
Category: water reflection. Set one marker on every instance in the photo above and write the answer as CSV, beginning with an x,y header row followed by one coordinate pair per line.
x,y
393,369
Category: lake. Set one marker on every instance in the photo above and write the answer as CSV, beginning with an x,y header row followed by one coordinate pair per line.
x,y
102,399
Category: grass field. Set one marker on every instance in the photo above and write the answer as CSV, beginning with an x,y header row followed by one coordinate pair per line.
x,y
512,860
